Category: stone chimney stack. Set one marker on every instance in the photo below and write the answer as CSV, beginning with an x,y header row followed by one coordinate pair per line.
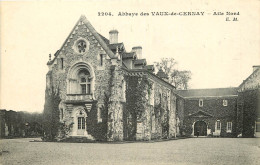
x,y
255,67
138,51
113,36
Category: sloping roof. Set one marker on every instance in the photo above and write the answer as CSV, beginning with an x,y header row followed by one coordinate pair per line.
x,y
213,92
101,40
124,66
104,39
140,62
127,55
114,46
252,75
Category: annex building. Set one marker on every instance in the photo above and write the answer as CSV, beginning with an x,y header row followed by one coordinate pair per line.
x,y
110,94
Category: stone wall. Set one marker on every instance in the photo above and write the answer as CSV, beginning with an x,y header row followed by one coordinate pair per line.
x,y
154,106
248,112
214,110
180,115
102,76
115,107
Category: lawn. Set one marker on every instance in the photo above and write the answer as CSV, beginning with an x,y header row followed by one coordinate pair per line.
x,y
183,151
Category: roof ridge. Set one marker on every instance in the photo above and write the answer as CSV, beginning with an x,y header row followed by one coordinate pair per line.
x,y
258,69
208,88
95,34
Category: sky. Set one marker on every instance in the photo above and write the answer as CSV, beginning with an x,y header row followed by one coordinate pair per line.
x,y
219,53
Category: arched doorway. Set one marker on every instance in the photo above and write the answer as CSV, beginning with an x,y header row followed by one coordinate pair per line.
x,y
79,118
200,128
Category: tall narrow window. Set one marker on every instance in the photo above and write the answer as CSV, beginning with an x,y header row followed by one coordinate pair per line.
x,y
85,82
200,102
229,126
123,90
81,123
83,85
61,114
62,63
101,59
88,86
218,125
99,117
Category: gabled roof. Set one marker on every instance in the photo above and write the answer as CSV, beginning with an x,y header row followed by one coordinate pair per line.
x,y
128,55
213,92
140,62
200,114
252,75
101,39
104,39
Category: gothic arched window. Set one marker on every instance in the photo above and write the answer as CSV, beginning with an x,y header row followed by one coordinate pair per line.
x,y
81,79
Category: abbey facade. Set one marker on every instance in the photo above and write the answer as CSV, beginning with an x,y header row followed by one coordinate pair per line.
x,y
110,94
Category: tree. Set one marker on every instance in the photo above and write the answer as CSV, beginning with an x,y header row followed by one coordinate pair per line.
x,y
179,78
51,119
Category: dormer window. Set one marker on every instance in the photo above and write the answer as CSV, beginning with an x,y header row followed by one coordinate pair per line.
x,y
200,102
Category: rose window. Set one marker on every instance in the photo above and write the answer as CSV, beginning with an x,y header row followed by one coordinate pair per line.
x,y
82,46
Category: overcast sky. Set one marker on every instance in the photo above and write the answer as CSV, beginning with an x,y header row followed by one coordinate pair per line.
x,y
217,52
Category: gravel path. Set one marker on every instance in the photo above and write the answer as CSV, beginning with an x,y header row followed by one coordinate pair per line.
x,y
184,151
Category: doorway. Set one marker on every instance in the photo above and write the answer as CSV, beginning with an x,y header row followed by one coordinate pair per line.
x,y
200,128
81,126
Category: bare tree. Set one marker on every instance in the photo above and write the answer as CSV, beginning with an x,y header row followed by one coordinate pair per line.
x,y
179,78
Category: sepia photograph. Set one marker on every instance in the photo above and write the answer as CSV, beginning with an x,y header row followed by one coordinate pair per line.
x,y
133,82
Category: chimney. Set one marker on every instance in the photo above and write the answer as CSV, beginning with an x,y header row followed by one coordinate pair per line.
x,y
138,51
255,67
113,36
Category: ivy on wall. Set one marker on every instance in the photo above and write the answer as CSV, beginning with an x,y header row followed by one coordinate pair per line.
x,y
136,100
51,120
248,101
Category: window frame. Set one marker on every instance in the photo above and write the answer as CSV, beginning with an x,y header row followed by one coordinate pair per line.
x,y
99,114
218,129
200,102
81,123
86,84
101,59
225,103
229,127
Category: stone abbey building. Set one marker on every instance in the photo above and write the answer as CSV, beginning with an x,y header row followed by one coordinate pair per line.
x,y
110,94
